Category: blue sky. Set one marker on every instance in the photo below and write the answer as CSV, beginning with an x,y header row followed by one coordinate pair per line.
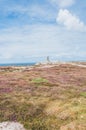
x,y
31,30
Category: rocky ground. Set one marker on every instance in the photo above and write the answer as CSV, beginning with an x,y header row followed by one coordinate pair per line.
x,y
44,97
11,126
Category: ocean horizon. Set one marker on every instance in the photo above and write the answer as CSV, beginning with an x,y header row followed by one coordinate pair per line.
x,y
34,63
18,64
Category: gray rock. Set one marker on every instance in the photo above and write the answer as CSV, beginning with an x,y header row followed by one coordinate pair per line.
x,y
11,126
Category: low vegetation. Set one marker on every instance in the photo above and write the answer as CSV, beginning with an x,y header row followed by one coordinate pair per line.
x,y
44,98
39,80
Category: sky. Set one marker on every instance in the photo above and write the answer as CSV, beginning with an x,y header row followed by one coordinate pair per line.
x,y
31,30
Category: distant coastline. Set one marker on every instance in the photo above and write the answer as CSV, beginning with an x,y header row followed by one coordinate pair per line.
x,y
47,60
18,64
41,63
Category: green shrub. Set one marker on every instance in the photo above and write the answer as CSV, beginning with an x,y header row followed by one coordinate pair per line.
x,y
39,80
83,94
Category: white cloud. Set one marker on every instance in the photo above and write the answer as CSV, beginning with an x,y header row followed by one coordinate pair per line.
x,y
70,21
21,44
63,3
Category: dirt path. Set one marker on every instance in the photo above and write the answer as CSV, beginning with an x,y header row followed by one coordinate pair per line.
x,y
58,64
78,65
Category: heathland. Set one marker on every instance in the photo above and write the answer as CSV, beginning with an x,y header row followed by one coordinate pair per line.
x,y
44,97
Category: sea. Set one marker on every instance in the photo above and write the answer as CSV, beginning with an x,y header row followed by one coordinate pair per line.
x,y
18,64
